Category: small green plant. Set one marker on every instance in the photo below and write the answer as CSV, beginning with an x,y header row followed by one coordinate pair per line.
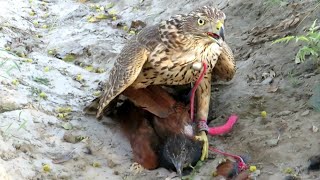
x,y
44,81
35,91
293,80
311,43
4,66
194,172
7,65
21,126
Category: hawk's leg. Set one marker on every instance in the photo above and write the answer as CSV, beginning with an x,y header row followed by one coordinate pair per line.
x,y
203,100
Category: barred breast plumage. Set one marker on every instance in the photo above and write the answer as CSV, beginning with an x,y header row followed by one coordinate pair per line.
x,y
176,68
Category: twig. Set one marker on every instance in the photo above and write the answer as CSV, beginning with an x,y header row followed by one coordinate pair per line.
x,y
308,15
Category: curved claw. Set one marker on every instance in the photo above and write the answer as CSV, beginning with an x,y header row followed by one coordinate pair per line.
x,y
205,149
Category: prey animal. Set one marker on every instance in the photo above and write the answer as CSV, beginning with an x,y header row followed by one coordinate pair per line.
x,y
159,142
167,54
179,153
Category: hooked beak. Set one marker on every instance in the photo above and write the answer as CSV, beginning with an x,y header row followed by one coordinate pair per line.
x,y
221,32
218,36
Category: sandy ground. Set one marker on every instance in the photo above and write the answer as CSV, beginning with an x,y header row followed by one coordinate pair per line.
x,y
41,102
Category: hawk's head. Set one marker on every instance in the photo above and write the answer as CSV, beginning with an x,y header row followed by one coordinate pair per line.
x,y
203,22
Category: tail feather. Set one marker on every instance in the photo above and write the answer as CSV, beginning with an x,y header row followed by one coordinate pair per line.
x,y
92,108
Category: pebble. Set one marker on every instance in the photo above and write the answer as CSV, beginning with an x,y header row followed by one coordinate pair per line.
x,y
255,174
309,75
305,113
284,113
36,120
7,106
111,164
315,129
272,142
70,138
64,175
268,80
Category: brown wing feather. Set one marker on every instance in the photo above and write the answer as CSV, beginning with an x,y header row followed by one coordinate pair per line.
x,y
225,67
128,65
124,72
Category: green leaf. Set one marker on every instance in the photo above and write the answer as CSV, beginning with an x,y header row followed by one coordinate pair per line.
x,y
301,55
101,16
302,38
3,62
313,26
66,109
69,58
11,68
310,40
283,40
89,68
23,125
315,36
18,67
43,95
303,52
44,81
67,126
15,66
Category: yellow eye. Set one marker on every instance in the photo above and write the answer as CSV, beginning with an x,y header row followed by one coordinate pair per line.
x,y
201,22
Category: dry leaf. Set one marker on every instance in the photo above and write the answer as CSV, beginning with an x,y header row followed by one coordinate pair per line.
x,y
272,89
63,158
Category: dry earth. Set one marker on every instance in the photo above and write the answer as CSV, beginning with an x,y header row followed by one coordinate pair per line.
x,y
33,131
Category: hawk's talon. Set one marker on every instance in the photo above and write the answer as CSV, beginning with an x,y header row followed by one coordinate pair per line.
x,y
205,149
136,168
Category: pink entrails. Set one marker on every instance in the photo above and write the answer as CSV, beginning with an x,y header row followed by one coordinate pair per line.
x,y
241,164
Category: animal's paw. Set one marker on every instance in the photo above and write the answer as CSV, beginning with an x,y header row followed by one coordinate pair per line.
x,y
136,168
